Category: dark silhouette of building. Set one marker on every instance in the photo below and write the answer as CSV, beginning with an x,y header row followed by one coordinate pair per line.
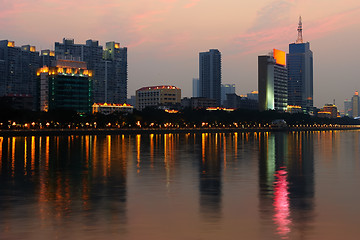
x,y
198,102
210,75
238,102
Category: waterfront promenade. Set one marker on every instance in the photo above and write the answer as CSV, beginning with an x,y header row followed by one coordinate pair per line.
x,y
117,131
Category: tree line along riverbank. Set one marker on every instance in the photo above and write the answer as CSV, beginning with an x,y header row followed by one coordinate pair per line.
x,y
160,120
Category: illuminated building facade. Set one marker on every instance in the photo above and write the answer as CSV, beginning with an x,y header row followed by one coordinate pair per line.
x,y
272,81
109,66
210,75
300,73
106,109
18,67
293,109
156,96
66,86
328,111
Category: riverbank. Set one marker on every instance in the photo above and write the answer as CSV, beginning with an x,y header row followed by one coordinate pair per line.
x,y
117,131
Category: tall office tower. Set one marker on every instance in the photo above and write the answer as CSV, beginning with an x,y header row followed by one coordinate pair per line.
x,y
226,89
210,75
115,60
355,101
196,87
18,67
109,66
348,108
300,73
272,81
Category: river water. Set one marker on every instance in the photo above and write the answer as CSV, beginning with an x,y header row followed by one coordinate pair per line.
x,y
298,185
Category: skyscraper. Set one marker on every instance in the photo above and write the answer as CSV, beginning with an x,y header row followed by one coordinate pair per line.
x,y
109,66
300,73
272,81
347,108
18,67
115,76
210,75
355,101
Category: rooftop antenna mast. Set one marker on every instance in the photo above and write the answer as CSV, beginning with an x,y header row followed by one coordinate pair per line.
x,y
299,38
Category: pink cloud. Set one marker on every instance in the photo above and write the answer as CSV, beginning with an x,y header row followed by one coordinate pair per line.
x,y
192,3
267,38
322,27
264,40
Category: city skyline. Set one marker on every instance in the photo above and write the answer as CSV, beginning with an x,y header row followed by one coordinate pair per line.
x,y
163,45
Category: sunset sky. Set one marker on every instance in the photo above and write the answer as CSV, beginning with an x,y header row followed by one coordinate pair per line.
x,y
164,37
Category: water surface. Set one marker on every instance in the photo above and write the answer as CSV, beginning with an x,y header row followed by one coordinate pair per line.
x,y
301,185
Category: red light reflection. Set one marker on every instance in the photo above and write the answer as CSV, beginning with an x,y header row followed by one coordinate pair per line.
x,y
281,203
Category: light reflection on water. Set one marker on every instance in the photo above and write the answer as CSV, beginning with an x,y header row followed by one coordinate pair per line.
x,y
180,186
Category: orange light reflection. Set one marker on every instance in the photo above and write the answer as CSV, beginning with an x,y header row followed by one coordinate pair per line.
x,y
138,149
1,150
25,156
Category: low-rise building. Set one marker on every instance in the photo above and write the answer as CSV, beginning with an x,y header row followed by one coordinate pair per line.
x,y
293,109
328,111
106,108
198,102
165,96
240,102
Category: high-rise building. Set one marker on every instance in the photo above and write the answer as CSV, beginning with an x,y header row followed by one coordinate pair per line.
x,y
109,67
65,86
226,89
210,75
196,87
272,81
348,108
300,73
18,67
355,101
115,81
